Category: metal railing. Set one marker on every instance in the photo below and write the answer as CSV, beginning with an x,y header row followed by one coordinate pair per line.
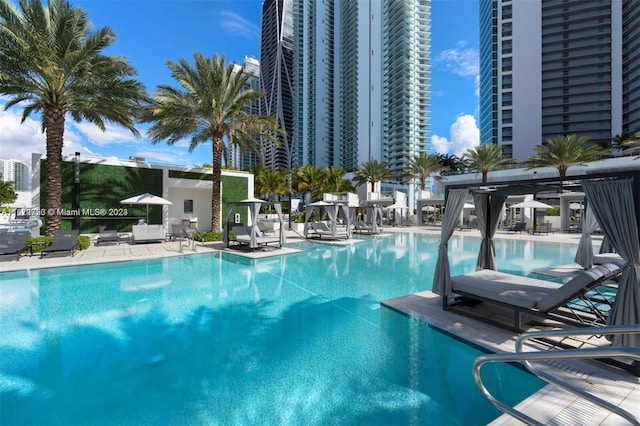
x,y
546,355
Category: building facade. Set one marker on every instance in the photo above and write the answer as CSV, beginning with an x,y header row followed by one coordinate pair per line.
x,y
557,67
276,79
361,82
17,172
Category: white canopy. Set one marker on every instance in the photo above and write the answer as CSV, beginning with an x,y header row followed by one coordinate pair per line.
x,y
147,199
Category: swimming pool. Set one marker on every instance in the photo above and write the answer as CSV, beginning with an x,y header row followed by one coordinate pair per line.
x,y
296,339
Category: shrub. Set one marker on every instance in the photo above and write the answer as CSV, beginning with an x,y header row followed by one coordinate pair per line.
x,y
208,236
553,211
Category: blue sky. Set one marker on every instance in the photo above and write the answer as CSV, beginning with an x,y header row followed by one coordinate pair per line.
x,y
150,32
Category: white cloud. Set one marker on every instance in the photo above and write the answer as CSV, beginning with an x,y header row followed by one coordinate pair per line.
x,y
18,141
464,134
461,61
237,25
112,134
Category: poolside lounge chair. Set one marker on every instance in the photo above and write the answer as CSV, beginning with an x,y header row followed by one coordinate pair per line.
x,y
179,232
243,237
322,230
12,243
532,296
517,227
63,241
361,227
543,228
108,234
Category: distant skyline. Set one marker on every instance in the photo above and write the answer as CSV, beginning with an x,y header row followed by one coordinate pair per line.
x,y
173,29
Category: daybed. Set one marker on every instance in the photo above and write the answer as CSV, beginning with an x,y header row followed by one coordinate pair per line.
x,y
148,233
242,235
321,229
524,295
361,227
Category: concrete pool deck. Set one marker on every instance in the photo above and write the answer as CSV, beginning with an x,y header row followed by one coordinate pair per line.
x,y
549,405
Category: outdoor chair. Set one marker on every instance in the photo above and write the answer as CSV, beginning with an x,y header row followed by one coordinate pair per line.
x,y
63,241
567,303
321,229
12,243
108,234
361,227
179,232
517,227
543,228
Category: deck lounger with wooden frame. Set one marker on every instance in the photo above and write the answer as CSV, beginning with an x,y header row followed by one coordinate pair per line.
x,y
540,298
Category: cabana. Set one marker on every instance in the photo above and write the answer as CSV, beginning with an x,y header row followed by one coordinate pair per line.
x,y
372,222
615,201
333,211
254,205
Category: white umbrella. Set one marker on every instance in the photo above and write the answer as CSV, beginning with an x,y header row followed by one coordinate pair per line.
x,y
147,199
397,206
534,204
576,206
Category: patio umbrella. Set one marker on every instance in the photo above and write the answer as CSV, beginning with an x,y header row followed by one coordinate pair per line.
x,y
147,199
534,204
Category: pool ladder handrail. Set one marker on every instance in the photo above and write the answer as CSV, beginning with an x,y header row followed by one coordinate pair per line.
x,y
591,353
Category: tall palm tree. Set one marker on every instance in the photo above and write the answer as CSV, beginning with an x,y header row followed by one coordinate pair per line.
x,y
452,162
334,181
308,180
52,63
422,167
486,157
211,104
371,171
563,152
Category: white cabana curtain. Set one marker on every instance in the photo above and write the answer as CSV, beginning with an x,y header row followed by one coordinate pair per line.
x,y
614,209
488,211
453,208
584,253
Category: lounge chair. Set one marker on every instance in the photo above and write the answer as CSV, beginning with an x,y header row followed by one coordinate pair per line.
x,y
264,229
243,237
12,243
108,234
517,227
543,228
532,296
361,227
603,258
63,241
321,229
179,232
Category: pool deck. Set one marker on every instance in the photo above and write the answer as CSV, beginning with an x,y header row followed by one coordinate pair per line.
x,y
551,405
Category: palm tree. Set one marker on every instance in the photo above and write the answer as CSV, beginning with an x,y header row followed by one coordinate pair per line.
x,y
452,162
212,104
486,157
308,179
422,167
272,182
52,63
334,181
371,171
563,152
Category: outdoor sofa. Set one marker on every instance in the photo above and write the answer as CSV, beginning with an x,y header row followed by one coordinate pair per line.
x,y
148,233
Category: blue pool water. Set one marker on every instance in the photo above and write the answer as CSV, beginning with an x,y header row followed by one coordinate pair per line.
x,y
206,339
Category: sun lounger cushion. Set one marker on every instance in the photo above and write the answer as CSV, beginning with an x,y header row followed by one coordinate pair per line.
x,y
502,287
602,258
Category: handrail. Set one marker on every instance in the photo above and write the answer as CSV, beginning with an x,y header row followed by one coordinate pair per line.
x,y
525,357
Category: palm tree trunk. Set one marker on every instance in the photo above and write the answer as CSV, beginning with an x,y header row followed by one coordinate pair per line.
x,y
54,122
216,190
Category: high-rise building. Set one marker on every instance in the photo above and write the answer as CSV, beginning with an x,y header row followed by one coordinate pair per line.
x,y
243,160
276,58
558,67
17,172
362,81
